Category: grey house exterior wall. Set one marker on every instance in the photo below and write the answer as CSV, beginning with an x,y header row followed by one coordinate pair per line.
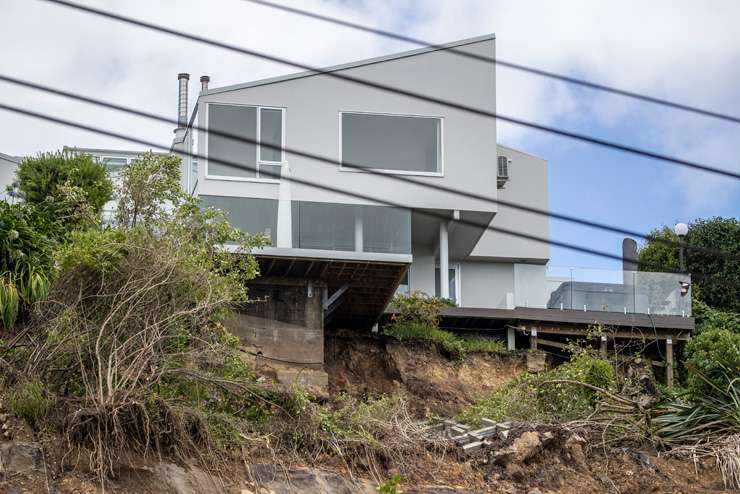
x,y
312,123
312,106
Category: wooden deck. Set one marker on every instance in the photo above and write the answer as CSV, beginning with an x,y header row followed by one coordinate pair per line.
x,y
570,322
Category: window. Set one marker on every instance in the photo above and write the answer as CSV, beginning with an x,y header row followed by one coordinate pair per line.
x,y
404,286
114,165
406,144
331,226
250,215
454,283
258,156
503,171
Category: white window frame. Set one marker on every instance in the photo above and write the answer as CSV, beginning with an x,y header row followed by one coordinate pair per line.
x,y
258,133
457,267
390,171
102,159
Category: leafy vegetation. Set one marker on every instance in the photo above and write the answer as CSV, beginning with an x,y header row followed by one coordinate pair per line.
x,y
147,185
417,317
58,179
26,246
29,401
711,357
544,397
700,416
717,277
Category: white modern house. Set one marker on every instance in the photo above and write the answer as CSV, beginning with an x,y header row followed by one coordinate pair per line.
x,y
403,146
389,217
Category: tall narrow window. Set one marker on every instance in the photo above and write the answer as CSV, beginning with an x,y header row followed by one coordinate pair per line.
x,y
453,284
271,135
391,142
230,157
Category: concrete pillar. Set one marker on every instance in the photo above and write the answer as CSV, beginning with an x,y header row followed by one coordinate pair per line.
x,y
603,347
511,339
285,211
444,261
669,361
359,241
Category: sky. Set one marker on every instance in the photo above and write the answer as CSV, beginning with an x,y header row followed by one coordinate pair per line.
x,y
687,51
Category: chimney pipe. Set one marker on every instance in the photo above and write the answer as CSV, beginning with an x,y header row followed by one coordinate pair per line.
x,y
204,80
629,260
182,102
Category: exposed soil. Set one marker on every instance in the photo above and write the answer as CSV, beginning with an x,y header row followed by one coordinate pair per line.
x,y
365,365
434,384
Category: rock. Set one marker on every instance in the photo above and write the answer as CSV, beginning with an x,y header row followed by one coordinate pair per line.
x,y
526,445
21,457
523,448
575,451
534,491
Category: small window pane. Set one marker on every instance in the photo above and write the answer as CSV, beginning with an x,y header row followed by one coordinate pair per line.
x,y
114,165
386,229
271,172
452,284
391,142
236,120
327,226
271,134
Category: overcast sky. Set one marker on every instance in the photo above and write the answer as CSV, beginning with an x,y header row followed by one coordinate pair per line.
x,y
687,51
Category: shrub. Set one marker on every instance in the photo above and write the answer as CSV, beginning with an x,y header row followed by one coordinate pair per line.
x,y
146,186
42,179
712,356
28,401
26,246
532,397
417,330
417,306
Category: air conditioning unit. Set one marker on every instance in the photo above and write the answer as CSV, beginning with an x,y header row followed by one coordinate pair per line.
x,y
503,171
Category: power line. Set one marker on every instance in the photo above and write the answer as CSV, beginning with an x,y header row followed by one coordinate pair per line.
x,y
497,61
334,162
310,183
404,92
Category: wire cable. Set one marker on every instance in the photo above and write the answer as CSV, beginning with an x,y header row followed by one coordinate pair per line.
x,y
310,183
335,162
497,61
403,92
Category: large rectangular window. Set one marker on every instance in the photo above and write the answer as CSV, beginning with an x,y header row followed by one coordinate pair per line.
x,y
251,215
391,142
261,144
330,226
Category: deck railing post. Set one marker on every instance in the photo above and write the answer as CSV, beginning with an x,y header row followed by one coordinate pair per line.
x,y
669,361
511,339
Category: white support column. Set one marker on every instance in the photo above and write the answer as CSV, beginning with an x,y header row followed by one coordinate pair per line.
x,y
444,261
359,241
285,211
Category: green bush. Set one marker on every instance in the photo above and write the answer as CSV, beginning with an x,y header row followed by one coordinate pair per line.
x,y
42,179
418,330
99,250
26,246
531,397
708,318
417,317
713,357
28,401
417,306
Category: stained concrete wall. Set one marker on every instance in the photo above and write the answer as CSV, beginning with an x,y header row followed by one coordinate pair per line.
x,y
283,322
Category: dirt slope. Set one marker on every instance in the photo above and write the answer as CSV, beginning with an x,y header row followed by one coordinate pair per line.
x,y
372,365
